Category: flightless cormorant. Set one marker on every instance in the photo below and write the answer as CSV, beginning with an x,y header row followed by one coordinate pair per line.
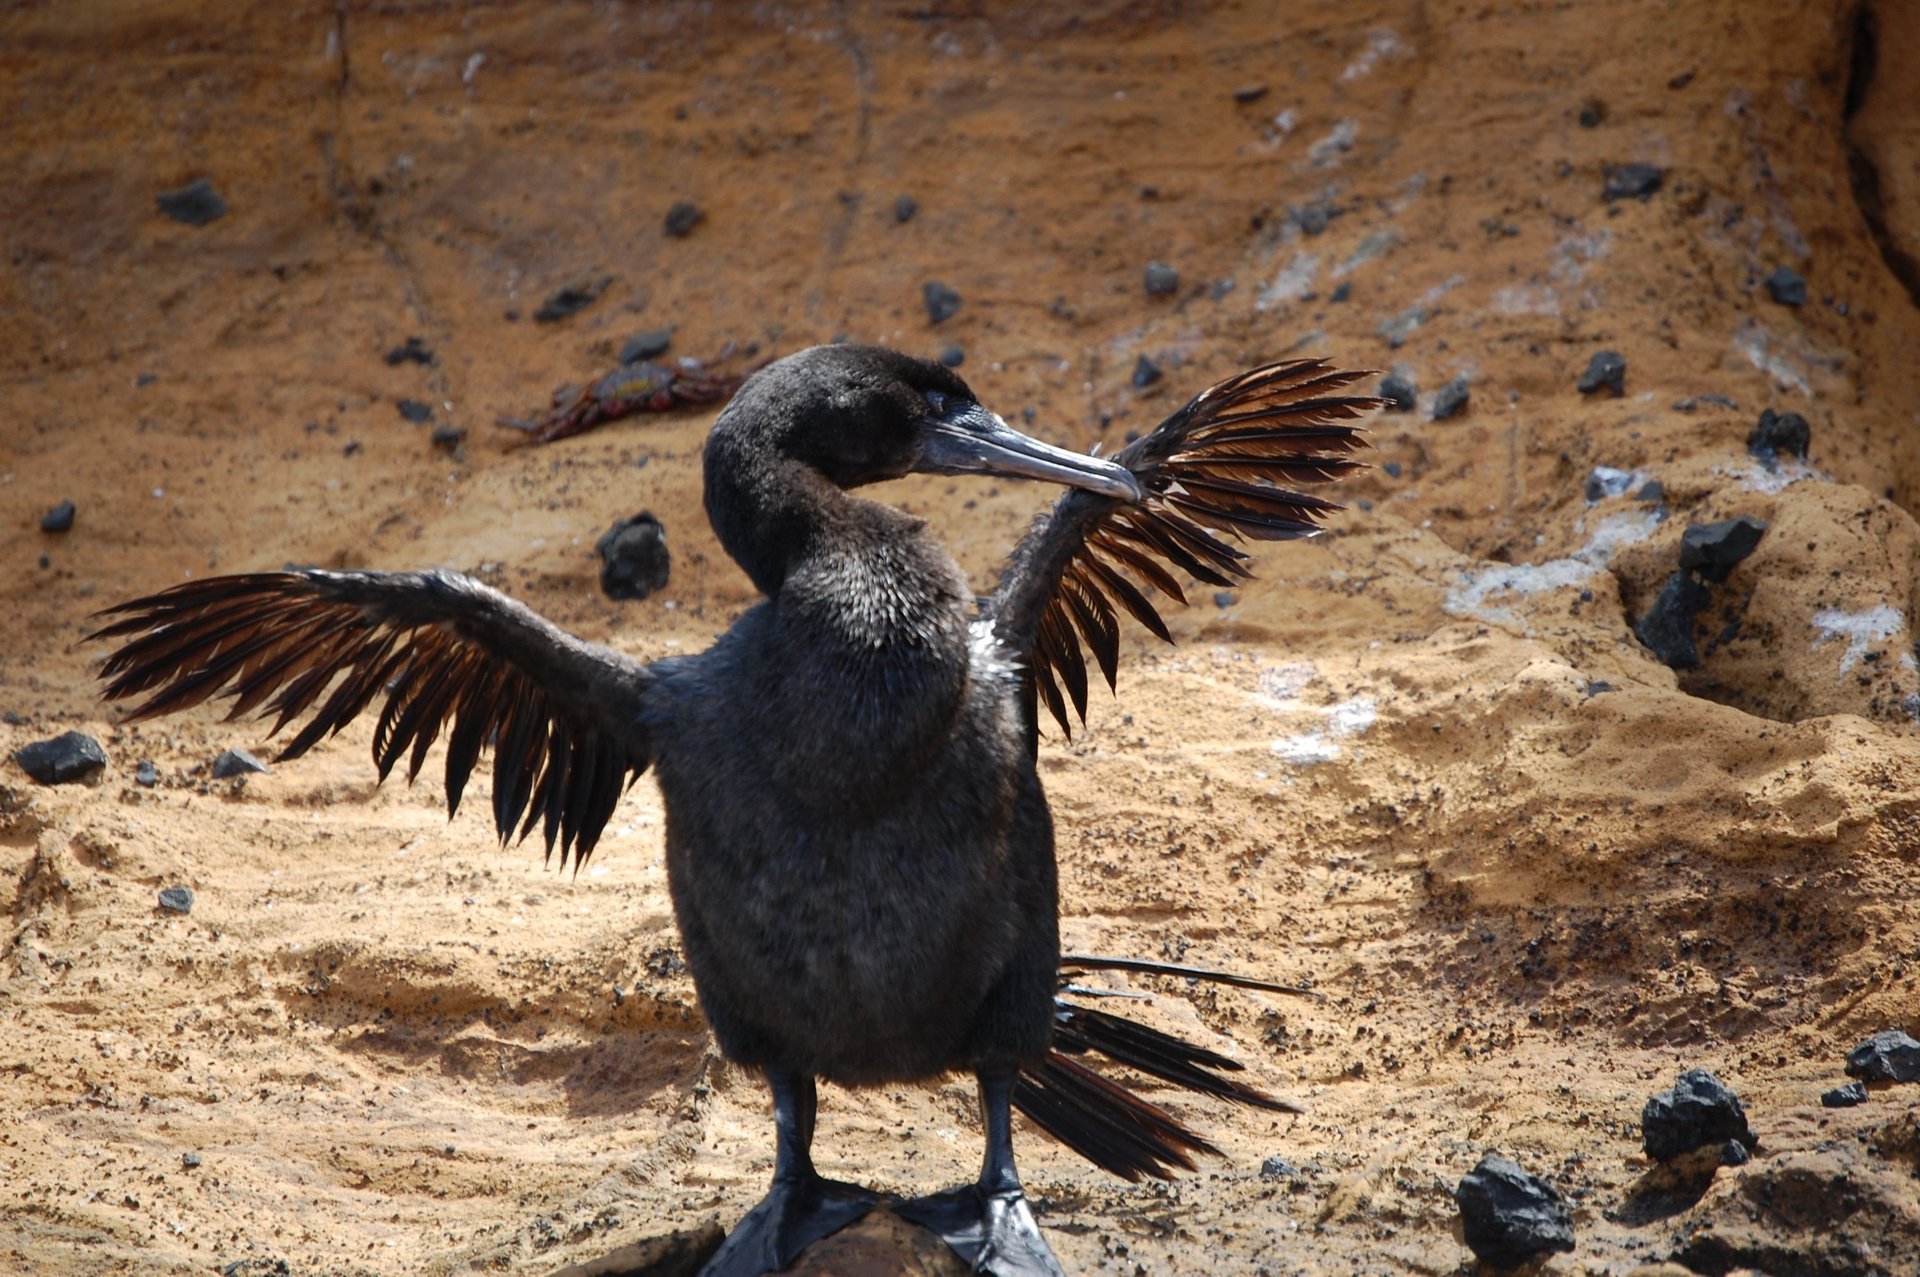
x,y
859,853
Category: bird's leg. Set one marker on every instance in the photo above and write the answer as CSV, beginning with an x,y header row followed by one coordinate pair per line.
x,y
801,1207
988,1224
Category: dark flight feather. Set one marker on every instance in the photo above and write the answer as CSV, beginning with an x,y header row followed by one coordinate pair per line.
x,y
1217,466
445,652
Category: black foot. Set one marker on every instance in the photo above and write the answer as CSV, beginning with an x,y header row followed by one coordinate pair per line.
x,y
995,1233
791,1217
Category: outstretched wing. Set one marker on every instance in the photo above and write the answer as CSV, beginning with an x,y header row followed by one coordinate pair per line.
x,y
441,650
1222,463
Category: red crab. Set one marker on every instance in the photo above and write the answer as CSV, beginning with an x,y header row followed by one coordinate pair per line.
x,y
636,387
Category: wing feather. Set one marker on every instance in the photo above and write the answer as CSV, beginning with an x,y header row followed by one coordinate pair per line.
x,y
1222,465
442,654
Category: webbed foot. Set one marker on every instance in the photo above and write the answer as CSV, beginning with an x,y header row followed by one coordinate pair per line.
x,y
994,1232
795,1213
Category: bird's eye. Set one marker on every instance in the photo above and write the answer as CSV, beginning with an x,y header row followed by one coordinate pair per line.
x,y
938,400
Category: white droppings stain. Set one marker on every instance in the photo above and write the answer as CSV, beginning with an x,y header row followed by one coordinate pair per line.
x,y
1756,476
1294,281
1381,43
1322,744
1527,299
1376,243
1572,255
1327,151
1281,686
1875,625
1764,353
1476,586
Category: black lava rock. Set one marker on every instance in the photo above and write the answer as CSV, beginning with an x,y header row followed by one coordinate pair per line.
x,y
1341,293
904,207
1631,182
1249,93
190,1160
1607,370
58,519
1891,1056
1593,113
236,762
1778,432
1667,627
415,411
1509,1216
646,345
196,203
1145,373
1399,392
1712,549
953,356
1314,218
448,438
1700,1110
63,760
942,302
411,351
1844,1097
1162,280
1734,1153
682,218
177,899
572,299
146,774
633,557
1787,286
1653,492
1451,399
1391,468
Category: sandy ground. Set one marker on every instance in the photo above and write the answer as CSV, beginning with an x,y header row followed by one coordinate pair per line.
x,y
1422,764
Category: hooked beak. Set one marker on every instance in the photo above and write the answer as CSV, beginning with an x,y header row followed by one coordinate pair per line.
x,y
967,439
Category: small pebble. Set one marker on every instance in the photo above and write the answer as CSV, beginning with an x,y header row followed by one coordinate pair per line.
x,y
448,438
1314,218
1600,687
1631,182
58,519
942,302
411,351
1778,432
1712,549
415,411
1607,370
953,356
682,218
1787,286
236,762
177,899
1278,1168
64,760
1699,1111
1224,599
1509,1216
646,345
1161,279
1451,399
1891,1056
1653,492
633,557
1844,1097
1392,469
1399,392
1249,93
1593,113
1145,373
146,774
572,299
1341,293
1667,626
1605,481
190,1160
1734,1153
196,203
904,207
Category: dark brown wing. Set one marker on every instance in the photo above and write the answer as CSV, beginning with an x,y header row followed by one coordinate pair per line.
x,y
1103,1120
441,651
1222,463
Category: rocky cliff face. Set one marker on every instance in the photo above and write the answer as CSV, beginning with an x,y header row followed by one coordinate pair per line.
x,y
1551,791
